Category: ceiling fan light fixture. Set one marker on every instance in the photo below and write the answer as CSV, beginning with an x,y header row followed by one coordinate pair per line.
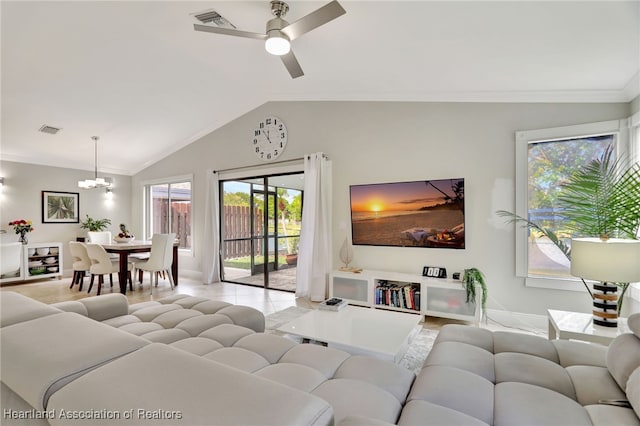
x,y
277,43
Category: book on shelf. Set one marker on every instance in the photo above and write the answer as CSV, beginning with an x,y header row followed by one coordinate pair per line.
x,y
403,295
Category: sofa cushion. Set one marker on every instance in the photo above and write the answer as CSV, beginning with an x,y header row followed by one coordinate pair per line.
x,y
357,398
250,318
239,358
172,318
633,391
71,306
593,384
295,375
37,358
325,360
199,391
524,404
106,306
391,377
572,352
506,341
14,407
607,415
532,369
197,345
463,356
416,411
465,334
633,322
269,346
623,357
226,334
472,394
16,308
196,325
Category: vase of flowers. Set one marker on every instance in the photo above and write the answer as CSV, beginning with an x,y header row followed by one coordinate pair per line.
x,y
22,227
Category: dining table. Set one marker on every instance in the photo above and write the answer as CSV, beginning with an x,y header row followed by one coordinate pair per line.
x,y
123,250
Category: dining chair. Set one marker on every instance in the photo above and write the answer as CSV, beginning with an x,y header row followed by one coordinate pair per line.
x,y
102,264
102,237
160,259
81,263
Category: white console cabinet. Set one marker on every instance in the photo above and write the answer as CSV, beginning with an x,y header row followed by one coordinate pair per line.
x,y
409,293
38,260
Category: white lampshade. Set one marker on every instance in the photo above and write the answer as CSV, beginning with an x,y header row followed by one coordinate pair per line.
x,y
614,260
277,43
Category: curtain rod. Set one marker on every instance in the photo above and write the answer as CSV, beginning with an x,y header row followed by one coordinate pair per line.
x,y
233,169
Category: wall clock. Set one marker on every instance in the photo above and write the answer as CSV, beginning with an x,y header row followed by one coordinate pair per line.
x,y
269,138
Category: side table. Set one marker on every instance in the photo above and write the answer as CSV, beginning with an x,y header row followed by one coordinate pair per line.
x,y
579,326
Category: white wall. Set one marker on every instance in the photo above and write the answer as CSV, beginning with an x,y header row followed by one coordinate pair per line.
x,y
21,199
372,142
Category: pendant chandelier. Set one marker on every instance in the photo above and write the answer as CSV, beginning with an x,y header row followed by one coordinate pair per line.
x,y
96,182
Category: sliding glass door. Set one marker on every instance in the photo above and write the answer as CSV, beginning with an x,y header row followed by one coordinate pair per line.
x,y
260,223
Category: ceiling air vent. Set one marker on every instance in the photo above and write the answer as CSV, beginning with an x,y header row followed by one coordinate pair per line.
x,y
49,129
210,16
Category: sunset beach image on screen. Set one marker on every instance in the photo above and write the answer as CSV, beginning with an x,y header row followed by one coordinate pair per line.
x,y
426,213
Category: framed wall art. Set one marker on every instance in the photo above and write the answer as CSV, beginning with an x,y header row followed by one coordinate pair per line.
x,y
60,207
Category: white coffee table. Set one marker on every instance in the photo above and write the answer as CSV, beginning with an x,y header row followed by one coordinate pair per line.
x,y
579,326
359,331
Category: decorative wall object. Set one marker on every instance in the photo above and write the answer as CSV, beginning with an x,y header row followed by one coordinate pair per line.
x,y
60,207
427,213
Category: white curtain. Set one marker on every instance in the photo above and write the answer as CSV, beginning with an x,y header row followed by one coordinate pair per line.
x,y
211,249
314,252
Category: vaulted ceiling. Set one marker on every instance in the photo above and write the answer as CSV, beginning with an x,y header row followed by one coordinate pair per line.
x,y
136,74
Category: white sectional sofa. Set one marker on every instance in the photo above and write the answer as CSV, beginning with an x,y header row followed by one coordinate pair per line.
x,y
192,361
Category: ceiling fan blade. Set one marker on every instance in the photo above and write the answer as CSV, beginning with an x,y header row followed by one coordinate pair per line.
x,y
291,63
228,31
326,13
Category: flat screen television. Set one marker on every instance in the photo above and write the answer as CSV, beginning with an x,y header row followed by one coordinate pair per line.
x,y
425,213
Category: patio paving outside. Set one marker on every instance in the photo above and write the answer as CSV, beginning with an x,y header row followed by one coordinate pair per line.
x,y
282,279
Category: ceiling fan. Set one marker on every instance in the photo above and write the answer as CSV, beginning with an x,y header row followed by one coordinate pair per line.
x,y
280,33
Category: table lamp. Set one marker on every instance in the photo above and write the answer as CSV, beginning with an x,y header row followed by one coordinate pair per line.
x,y
608,261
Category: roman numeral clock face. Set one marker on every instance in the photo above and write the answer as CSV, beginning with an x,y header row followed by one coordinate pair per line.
x,y
269,138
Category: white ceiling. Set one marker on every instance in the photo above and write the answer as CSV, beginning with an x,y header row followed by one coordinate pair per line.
x,y
137,74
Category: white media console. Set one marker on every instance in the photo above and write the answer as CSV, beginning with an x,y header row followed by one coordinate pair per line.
x,y
438,297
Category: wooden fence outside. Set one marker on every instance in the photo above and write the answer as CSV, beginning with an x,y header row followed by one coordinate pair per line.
x,y
181,224
237,231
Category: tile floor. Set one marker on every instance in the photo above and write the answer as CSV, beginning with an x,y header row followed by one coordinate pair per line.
x,y
268,301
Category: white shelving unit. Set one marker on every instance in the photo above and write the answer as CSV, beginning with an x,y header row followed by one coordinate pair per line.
x,y
39,260
406,293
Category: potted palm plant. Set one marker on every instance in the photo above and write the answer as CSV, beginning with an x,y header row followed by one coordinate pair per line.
x,y
602,199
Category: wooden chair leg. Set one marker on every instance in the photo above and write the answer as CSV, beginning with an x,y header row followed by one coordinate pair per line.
x,y
140,271
100,281
111,280
73,280
81,277
130,280
91,283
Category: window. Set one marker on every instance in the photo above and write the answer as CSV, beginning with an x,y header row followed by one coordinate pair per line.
x,y
168,210
544,159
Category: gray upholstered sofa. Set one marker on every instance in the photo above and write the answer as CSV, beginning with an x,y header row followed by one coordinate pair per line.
x,y
182,360
187,360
